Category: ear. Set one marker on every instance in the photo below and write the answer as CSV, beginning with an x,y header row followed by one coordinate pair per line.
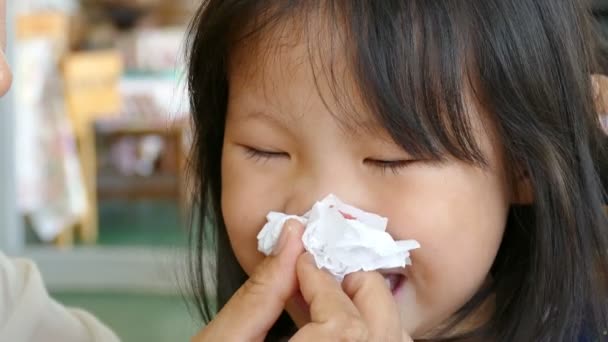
x,y
523,192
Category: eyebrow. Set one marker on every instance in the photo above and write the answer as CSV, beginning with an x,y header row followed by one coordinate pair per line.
x,y
362,127
264,116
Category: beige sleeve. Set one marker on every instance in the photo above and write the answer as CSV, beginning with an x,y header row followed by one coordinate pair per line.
x,y
27,313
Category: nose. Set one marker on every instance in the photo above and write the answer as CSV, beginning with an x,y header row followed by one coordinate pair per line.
x,y
309,187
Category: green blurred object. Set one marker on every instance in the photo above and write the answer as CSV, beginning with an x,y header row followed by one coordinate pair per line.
x,y
137,317
140,223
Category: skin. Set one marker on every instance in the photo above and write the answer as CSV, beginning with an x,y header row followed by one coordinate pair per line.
x,y
5,73
457,211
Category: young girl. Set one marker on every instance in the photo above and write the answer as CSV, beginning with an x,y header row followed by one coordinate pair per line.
x,y
468,123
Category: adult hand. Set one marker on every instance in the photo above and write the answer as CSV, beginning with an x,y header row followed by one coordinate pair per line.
x,y
255,307
361,309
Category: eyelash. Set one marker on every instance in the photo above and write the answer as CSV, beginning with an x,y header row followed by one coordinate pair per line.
x,y
263,156
393,166
384,166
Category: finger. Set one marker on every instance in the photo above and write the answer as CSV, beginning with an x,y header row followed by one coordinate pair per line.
x,y
322,292
334,317
375,303
352,330
256,305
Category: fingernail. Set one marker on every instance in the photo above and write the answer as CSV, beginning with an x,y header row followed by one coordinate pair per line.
x,y
287,229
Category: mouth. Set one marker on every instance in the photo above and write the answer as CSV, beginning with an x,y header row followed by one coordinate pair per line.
x,y
395,279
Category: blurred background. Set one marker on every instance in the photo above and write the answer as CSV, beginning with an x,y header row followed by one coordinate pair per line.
x,y
93,156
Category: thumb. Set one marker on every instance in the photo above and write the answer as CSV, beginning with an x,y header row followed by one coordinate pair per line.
x,y
256,305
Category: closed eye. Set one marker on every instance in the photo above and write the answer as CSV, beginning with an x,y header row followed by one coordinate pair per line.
x,y
389,165
263,155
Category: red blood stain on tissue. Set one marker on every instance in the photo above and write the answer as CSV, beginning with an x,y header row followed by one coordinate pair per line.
x,y
347,216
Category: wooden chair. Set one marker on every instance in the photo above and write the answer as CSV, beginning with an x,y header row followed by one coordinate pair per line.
x,y
91,90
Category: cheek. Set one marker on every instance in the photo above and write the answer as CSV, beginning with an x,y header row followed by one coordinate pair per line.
x,y
245,203
459,225
452,267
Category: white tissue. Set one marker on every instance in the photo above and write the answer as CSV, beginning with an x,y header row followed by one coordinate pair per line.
x,y
342,245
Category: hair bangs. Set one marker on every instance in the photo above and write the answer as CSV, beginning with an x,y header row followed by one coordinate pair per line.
x,y
398,76
415,76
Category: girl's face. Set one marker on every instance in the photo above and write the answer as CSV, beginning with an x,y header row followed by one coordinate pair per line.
x,y
284,149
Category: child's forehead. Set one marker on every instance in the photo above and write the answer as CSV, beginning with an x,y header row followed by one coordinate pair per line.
x,y
354,132
270,76
264,74
288,46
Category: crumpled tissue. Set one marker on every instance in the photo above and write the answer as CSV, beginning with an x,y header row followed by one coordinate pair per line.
x,y
341,238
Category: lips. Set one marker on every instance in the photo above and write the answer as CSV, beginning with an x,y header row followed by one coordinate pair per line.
x,y
394,279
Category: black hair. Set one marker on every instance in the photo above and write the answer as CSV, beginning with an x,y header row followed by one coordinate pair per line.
x,y
527,63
